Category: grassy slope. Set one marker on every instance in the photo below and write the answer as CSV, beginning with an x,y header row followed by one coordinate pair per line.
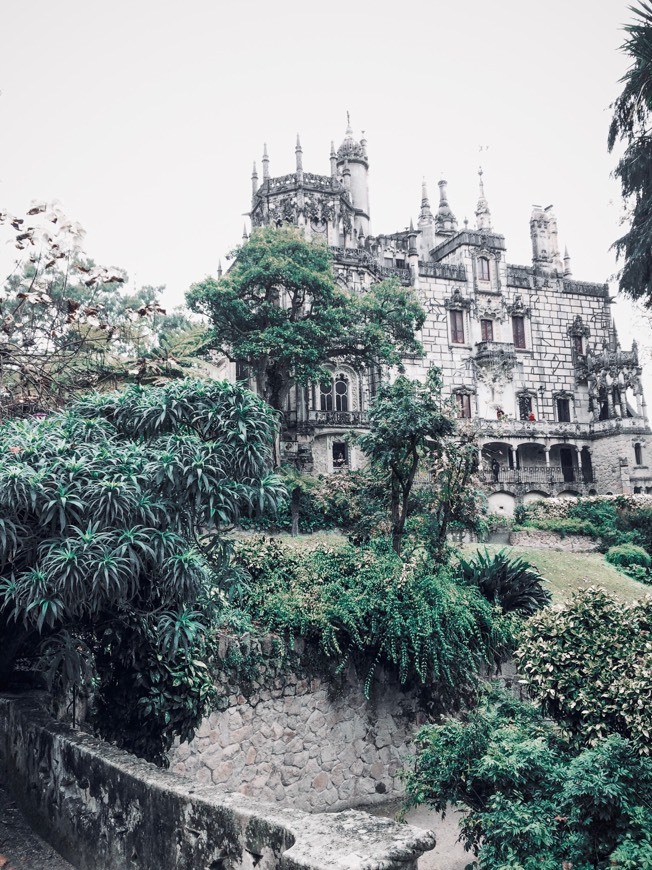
x,y
568,572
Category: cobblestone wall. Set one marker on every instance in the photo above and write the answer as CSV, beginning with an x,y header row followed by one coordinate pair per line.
x,y
290,738
553,541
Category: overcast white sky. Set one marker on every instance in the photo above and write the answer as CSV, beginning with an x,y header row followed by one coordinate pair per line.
x,y
143,117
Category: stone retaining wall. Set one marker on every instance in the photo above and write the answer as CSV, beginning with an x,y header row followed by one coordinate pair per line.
x,y
295,739
103,809
553,541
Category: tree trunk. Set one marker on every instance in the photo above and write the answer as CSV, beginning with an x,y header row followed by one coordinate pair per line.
x,y
295,501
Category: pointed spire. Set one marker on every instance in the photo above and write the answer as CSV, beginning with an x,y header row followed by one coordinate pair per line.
x,y
567,263
333,160
482,212
411,226
425,215
265,163
445,222
254,180
299,155
349,128
219,269
245,237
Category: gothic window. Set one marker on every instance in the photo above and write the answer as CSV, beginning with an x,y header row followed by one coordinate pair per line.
x,y
463,405
525,411
638,454
483,268
563,410
326,397
578,344
241,370
487,330
518,331
341,393
457,327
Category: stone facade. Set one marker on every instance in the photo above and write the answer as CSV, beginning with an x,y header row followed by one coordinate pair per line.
x,y
296,739
530,354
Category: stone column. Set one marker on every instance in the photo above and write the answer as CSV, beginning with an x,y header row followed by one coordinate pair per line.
x,y
578,451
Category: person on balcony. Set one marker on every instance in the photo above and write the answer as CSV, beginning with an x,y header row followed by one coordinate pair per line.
x,y
495,469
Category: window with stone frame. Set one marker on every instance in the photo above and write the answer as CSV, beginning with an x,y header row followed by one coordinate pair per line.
x,y
578,344
457,326
487,330
341,393
483,269
563,410
638,454
525,409
326,397
463,405
518,331
241,370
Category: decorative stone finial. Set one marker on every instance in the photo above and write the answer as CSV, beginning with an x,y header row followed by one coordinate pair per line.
x,y
482,212
445,221
265,163
219,269
245,237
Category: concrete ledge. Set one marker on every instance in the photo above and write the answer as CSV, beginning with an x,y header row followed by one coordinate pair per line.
x,y
102,808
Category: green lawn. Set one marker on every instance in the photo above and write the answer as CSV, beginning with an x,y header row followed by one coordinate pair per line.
x,y
568,572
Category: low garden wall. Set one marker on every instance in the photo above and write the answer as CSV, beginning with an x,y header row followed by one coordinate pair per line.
x,y
553,541
103,809
295,738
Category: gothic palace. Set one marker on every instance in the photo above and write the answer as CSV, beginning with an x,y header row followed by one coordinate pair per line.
x,y
530,355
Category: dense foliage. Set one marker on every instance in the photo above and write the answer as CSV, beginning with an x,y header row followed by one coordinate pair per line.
x,y
631,126
613,520
101,569
363,604
533,799
510,582
279,311
411,428
588,664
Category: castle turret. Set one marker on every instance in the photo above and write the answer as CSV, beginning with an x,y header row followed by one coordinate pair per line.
x,y
354,154
445,221
545,246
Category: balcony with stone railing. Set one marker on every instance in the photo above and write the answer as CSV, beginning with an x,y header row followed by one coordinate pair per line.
x,y
338,418
537,474
495,352
534,430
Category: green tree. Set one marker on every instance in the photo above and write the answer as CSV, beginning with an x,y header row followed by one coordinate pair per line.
x,y
589,665
533,800
631,125
110,541
409,425
280,311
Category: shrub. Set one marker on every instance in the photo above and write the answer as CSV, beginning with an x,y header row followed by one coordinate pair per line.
x,y
567,526
627,555
532,799
367,606
513,584
588,664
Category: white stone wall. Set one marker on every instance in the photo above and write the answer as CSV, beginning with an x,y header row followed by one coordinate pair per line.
x,y
296,741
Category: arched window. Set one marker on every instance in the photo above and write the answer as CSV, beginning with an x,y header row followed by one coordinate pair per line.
x,y
483,268
342,393
326,397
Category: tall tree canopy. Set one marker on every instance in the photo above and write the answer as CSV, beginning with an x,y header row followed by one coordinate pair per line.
x,y
101,564
632,125
409,422
280,311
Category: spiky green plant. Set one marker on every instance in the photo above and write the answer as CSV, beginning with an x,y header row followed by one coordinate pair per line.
x,y
512,583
